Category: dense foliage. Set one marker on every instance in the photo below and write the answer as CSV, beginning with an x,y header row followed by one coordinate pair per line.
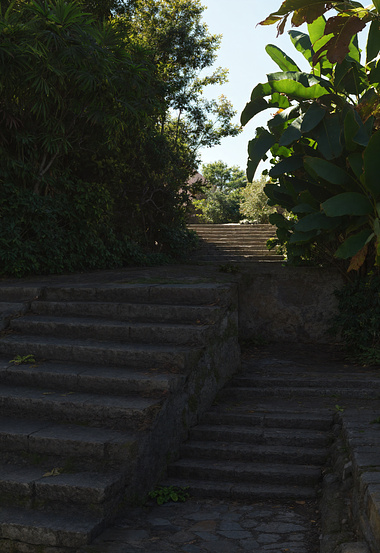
x,y
95,157
358,321
254,202
324,141
221,193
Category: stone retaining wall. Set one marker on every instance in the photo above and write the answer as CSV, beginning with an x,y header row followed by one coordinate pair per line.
x,y
287,303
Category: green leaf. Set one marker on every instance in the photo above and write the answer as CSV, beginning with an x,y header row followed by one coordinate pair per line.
x,y
321,169
347,203
257,148
303,208
278,197
372,165
303,237
302,43
316,29
281,118
280,221
352,124
253,108
312,117
373,40
354,244
328,134
315,221
283,61
356,163
287,165
292,133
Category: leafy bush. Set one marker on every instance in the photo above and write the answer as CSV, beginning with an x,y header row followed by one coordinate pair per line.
x,y
359,318
254,202
219,207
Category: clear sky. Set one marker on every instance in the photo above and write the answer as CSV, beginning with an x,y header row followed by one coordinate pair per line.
x,y
243,53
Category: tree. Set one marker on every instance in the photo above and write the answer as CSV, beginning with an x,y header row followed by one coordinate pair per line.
x,y
222,190
219,176
94,157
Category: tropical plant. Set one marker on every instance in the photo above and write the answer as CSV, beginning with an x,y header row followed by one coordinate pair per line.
x,y
324,139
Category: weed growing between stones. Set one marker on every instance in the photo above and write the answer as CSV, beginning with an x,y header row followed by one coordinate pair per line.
x,y
164,494
23,359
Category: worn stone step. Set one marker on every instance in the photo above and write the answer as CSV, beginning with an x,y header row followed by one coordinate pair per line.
x,y
117,412
56,530
237,451
269,258
246,393
84,377
257,435
18,293
236,471
227,416
32,487
132,312
102,329
244,491
191,294
306,381
66,443
106,353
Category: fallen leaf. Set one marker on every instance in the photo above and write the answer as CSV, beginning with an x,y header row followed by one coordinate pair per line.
x,y
300,502
54,472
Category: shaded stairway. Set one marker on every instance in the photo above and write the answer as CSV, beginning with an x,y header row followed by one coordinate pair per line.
x,y
232,242
121,371
268,434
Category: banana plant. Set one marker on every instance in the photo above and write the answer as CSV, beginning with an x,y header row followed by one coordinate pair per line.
x,y
324,141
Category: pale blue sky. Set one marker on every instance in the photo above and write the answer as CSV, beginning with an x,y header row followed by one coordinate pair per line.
x,y
243,53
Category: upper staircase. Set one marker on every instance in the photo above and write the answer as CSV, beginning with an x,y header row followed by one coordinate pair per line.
x,y
120,373
234,242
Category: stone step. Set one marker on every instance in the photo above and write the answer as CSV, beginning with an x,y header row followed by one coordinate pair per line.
x,y
117,412
51,530
257,435
18,293
237,471
233,416
83,377
244,394
33,487
131,312
237,451
192,294
245,491
106,353
307,381
269,258
83,446
102,329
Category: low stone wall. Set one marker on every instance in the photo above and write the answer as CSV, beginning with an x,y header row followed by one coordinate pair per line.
x,y
287,303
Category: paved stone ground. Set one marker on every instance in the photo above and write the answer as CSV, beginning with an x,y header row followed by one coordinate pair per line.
x,y
212,526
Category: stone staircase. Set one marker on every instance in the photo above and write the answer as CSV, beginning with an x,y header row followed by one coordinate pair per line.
x,y
121,372
267,437
234,242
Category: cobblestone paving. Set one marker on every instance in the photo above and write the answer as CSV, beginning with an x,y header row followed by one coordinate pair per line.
x,y
209,526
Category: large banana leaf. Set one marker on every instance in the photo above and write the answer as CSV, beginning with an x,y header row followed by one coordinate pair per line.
x,y
354,244
371,157
347,203
284,62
